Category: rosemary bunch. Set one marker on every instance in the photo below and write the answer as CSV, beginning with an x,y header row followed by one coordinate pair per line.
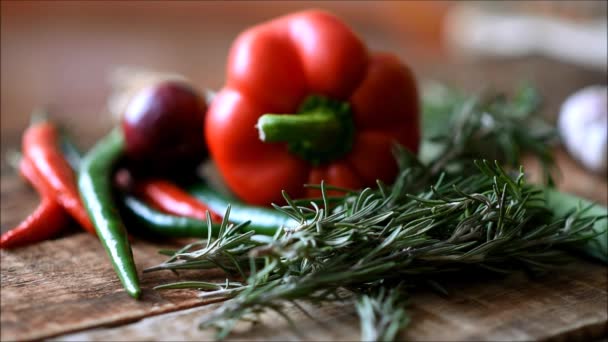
x,y
447,214
373,238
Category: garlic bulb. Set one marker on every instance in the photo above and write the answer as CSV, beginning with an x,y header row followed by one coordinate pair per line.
x,y
583,125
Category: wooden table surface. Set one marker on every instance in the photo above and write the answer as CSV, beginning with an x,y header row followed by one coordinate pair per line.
x,y
66,289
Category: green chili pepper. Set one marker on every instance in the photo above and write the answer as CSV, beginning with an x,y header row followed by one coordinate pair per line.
x,y
264,221
95,185
145,216
164,224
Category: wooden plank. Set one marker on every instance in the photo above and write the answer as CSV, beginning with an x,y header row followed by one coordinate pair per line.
x,y
569,304
562,304
68,284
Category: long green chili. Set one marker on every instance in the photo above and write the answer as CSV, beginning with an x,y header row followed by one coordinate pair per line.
x,y
95,185
164,224
143,215
264,221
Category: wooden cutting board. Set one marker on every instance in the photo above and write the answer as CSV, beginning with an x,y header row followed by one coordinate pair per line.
x,y
66,288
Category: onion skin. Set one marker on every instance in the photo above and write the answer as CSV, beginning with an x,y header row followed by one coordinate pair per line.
x,y
163,126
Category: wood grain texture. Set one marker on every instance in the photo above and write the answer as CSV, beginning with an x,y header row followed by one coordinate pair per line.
x,y
568,305
68,284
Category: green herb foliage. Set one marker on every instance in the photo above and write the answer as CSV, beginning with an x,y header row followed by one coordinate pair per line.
x,y
491,126
448,214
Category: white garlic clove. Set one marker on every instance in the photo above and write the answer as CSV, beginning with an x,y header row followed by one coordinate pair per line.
x,y
583,126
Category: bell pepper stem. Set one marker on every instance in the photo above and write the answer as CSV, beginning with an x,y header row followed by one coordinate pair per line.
x,y
321,131
315,127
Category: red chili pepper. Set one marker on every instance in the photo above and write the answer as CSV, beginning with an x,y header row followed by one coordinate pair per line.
x,y
171,199
46,221
350,108
40,146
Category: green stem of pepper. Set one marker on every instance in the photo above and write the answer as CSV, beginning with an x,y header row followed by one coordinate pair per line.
x,y
318,126
321,131
95,185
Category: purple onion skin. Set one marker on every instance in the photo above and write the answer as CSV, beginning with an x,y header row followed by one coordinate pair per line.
x,y
163,127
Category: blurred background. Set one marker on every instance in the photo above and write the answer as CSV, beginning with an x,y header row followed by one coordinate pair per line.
x,y
60,54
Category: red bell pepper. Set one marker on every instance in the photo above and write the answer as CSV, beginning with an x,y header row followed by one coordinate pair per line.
x,y
344,109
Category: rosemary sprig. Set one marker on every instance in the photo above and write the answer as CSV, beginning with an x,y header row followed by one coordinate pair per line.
x,y
382,314
489,126
444,215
